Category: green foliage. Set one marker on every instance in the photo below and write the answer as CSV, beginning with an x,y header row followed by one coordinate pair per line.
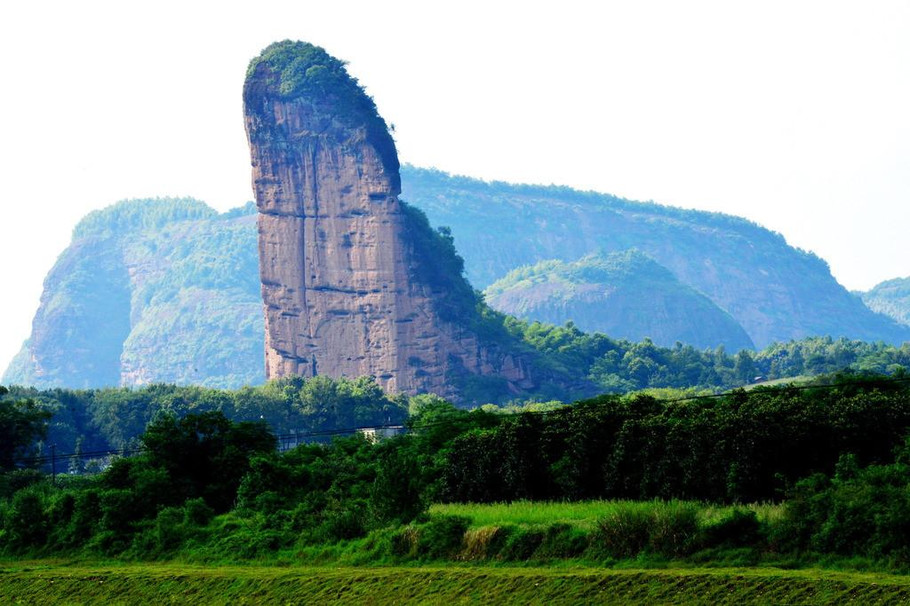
x,y
891,297
438,265
24,522
397,495
773,290
299,70
619,366
204,455
624,534
626,295
131,216
193,283
101,419
740,528
742,447
21,424
441,537
209,488
858,512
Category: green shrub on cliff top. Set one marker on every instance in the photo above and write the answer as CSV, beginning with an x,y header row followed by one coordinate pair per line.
x,y
298,69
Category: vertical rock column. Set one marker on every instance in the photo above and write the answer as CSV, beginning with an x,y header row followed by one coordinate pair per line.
x,y
330,260
337,261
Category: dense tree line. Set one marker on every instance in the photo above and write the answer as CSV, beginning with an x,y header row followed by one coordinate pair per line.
x,y
114,418
742,447
619,366
837,452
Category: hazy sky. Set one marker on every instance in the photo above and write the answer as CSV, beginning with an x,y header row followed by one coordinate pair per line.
x,y
792,114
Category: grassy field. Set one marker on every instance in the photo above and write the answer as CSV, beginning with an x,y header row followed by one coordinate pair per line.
x,y
63,583
413,565
798,380
580,514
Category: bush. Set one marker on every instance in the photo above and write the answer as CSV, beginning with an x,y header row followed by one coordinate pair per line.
x,y
520,543
14,481
622,534
246,544
739,529
673,529
169,529
442,537
484,543
341,524
26,525
562,541
197,513
404,542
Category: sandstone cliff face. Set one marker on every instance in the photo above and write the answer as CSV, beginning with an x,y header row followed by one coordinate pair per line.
x,y
345,290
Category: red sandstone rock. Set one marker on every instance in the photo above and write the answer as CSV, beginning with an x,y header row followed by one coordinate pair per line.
x,y
340,272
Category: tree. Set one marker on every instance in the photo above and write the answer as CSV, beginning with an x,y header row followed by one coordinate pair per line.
x,y
205,455
744,368
21,424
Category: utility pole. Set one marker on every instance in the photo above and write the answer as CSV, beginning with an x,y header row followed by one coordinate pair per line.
x,y
54,464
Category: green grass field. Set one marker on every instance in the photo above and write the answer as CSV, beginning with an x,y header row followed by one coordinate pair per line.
x,y
325,575
63,583
581,514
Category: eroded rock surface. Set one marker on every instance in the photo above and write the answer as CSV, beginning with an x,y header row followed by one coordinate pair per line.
x,y
354,282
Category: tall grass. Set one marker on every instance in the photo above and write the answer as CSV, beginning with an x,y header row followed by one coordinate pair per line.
x,y
585,514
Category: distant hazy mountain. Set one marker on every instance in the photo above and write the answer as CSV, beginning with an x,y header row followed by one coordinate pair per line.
x,y
892,298
775,292
625,295
163,290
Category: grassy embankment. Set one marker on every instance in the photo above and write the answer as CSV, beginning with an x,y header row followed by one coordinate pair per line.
x,y
325,575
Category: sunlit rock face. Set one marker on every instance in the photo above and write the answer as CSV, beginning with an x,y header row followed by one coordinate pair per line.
x,y
347,287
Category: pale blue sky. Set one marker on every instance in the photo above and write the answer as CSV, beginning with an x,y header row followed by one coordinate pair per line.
x,y
793,114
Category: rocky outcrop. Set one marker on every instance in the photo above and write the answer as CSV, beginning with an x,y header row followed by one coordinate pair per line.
x,y
353,281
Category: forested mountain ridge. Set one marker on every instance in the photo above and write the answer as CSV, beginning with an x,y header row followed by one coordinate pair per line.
x,y
626,295
775,292
150,290
892,298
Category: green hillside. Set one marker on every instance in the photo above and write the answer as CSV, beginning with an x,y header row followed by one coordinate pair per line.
x,y
891,298
774,291
150,291
625,295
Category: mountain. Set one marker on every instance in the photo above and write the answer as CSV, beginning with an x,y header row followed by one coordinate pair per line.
x,y
625,295
168,290
892,298
150,291
774,291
